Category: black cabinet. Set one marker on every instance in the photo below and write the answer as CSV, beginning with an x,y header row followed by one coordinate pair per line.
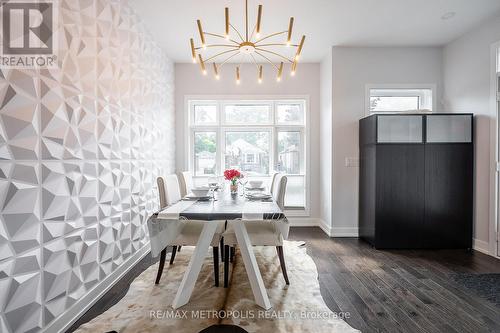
x,y
416,180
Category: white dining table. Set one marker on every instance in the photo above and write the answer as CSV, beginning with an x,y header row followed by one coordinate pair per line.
x,y
234,209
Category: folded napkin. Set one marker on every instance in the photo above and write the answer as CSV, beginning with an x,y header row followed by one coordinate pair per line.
x,y
252,211
165,226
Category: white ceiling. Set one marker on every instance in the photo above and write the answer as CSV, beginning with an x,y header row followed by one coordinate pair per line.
x,y
324,22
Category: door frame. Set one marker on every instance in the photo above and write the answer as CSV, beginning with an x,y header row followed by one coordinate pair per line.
x,y
494,226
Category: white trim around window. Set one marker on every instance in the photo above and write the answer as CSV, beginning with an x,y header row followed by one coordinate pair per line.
x,y
273,127
413,86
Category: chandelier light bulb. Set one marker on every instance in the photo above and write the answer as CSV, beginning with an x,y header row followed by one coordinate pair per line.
x,y
193,50
217,77
280,72
259,20
290,29
238,75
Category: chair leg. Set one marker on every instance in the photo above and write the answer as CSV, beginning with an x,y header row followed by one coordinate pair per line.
x,y
179,248
232,251
226,266
216,265
172,257
222,249
161,264
281,256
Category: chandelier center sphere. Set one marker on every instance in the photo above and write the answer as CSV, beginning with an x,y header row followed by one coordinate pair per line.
x,y
247,48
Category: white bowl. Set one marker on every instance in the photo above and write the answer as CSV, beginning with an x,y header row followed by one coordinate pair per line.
x,y
200,192
255,183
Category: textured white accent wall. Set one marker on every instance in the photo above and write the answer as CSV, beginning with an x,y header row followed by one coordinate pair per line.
x,y
80,147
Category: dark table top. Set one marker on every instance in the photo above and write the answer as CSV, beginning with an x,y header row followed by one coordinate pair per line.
x,y
230,207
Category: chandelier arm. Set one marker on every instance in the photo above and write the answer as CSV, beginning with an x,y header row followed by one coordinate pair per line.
x,y
278,44
219,54
218,45
246,19
276,54
236,30
227,59
253,31
254,61
267,59
220,36
271,35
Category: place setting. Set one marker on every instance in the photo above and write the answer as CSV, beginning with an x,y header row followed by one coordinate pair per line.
x,y
254,191
202,193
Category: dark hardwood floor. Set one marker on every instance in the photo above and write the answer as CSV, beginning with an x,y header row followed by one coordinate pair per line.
x,y
384,291
400,290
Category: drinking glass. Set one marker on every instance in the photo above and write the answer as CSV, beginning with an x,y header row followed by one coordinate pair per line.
x,y
213,184
243,181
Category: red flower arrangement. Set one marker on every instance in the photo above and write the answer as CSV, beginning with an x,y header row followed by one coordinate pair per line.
x,y
232,175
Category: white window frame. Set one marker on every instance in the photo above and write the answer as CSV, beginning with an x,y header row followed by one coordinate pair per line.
x,y
224,103
430,86
220,128
217,120
203,129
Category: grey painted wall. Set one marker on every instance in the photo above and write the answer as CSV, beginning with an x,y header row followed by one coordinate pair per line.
x,y
189,81
326,142
467,78
80,147
352,69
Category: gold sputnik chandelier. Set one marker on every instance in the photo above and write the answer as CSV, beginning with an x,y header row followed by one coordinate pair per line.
x,y
251,45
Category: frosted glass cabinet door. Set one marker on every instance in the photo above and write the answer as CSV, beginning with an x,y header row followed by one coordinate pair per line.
x,y
399,129
449,128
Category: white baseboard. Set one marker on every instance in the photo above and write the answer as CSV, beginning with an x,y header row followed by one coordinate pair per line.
x,y
303,221
481,246
338,231
325,227
344,232
64,321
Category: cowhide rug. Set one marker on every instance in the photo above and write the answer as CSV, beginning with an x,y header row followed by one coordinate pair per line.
x,y
298,307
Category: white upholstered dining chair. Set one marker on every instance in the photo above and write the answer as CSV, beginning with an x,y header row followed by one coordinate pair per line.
x,y
186,182
273,178
262,233
169,194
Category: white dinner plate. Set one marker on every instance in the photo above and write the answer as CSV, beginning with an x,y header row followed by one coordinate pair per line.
x,y
255,188
259,196
194,198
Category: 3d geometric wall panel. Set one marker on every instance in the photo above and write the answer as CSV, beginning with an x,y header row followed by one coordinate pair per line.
x,y
81,146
